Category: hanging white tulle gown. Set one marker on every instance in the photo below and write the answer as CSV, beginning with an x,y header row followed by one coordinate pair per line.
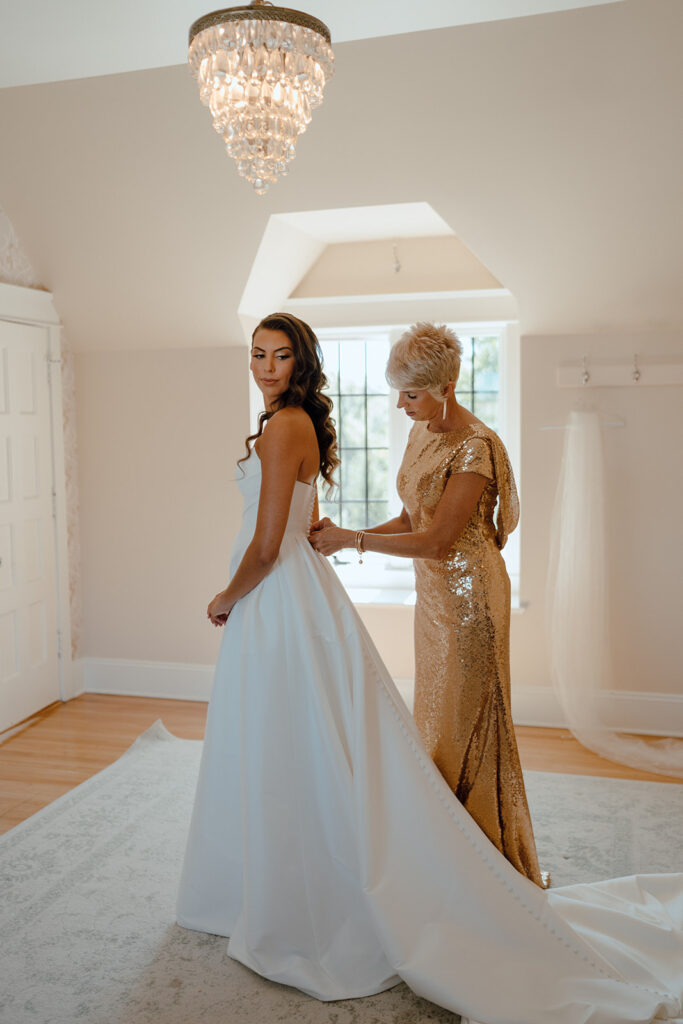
x,y
329,849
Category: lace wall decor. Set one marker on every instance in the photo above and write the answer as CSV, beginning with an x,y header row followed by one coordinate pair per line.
x,y
15,266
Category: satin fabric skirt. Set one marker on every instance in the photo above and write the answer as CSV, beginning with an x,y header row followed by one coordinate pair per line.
x,y
330,850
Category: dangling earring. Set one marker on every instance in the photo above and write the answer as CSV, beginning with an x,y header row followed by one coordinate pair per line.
x,y
445,407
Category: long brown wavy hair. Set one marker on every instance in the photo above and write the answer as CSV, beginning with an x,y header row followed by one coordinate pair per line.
x,y
305,389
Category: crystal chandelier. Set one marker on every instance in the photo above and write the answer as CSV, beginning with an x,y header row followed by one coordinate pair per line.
x,y
261,71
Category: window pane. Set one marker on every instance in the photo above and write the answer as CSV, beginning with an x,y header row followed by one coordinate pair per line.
x,y
378,474
330,351
353,475
465,378
324,494
378,422
466,399
352,367
377,355
354,517
486,408
331,509
352,409
486,364
335,413
378,512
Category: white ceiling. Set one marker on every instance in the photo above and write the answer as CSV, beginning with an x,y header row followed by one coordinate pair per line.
x,y
48,41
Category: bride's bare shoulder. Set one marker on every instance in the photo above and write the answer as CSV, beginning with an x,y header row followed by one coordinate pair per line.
x,y
289,426
290,414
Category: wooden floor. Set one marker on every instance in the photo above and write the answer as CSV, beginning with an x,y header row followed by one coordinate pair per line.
x,y
67,743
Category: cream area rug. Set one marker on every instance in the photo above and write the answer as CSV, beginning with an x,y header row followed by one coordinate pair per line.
x,y
87,894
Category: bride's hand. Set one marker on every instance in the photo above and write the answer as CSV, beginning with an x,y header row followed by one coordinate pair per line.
x,y
219,610
328,539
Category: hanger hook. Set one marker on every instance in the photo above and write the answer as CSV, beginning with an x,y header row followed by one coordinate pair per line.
x,y
397,262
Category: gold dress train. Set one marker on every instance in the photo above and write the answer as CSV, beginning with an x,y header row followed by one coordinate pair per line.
x,y
462,636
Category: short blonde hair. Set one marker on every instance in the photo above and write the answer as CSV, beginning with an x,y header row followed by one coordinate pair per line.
x,y
426,357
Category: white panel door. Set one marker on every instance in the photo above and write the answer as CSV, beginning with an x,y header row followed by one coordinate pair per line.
x,y
29,659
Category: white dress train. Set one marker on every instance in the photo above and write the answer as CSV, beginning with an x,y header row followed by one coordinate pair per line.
x,y
327,846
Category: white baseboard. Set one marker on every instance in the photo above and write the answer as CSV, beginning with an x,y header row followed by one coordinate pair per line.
x,y
650,714
537,705
166,679
655,714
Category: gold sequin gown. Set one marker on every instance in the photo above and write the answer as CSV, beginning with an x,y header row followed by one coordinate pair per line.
x,y
462,636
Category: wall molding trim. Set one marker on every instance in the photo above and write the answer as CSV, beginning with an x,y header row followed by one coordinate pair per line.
x,y
27,305
166,679
650,714
654,714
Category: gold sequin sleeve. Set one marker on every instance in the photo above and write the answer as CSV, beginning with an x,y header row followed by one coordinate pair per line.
x,y
462,636
473,456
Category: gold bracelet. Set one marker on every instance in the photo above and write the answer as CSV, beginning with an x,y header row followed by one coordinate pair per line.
x,y
359,545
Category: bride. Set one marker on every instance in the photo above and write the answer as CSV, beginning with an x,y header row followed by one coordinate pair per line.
x,y
323,840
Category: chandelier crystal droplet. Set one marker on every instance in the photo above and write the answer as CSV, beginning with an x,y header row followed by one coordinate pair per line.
x,y
261,71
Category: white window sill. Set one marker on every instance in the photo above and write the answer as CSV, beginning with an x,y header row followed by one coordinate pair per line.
x,y
381,595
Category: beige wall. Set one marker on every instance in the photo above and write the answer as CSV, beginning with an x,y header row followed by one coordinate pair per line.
x,y
367,268
159,433
391,628
644,491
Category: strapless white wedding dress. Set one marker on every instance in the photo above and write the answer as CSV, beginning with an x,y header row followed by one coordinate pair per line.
x,y
327,846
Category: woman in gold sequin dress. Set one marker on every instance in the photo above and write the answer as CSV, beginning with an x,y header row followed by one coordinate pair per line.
x,y
454,474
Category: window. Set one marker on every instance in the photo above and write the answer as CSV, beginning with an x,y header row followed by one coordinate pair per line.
x,y
355,370
372,435
477,386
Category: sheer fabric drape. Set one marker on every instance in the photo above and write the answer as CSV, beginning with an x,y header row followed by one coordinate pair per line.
x,y
578,602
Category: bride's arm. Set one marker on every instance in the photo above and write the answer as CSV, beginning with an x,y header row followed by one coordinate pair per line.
x,y
457,504
281,449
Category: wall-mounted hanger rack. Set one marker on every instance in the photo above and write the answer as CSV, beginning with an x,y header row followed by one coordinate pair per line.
x,y
582,406
589,374
565,426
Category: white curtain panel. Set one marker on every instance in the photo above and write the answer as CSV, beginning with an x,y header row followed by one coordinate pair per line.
x,y
578,605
